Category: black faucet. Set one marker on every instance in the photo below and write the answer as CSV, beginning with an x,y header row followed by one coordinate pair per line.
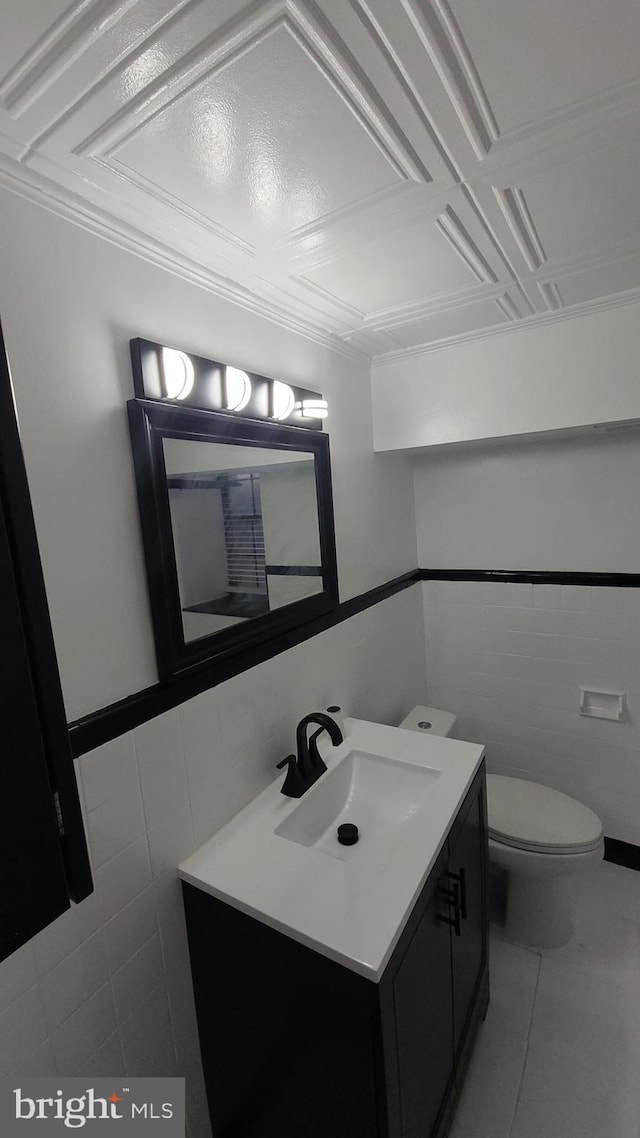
x,y
307,766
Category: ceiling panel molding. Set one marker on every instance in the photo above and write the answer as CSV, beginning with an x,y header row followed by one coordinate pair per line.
x,y
54,51
400,315
346,312
372,343
454,232
156,193
444,43
551,295
350,223
507,305
518,217
385,45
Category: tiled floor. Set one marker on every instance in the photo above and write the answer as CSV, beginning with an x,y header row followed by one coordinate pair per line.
x,y
559,1053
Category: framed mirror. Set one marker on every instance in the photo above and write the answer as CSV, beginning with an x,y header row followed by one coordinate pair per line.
x,y
237,527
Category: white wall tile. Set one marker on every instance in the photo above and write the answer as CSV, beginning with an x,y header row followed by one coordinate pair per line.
x,y
41,1063
609,600
163,776
109,770
84,1031
173,933
170,842
107,1061
576,597
24,1028
74,980
17,973
147,1040
132,927
119,880
71,929
114,825
134,981
514,681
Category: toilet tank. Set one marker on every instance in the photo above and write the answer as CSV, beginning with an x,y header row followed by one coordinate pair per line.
x,y
430,721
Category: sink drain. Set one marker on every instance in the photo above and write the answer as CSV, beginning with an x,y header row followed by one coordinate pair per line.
x,y
424,725
348,834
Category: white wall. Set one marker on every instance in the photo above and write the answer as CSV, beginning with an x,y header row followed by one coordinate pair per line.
x,y
70,303
570,504
508,659
564,374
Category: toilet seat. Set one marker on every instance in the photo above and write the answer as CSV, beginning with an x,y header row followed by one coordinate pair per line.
x,y
536,818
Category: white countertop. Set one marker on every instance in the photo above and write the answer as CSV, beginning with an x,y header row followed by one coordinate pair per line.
x,y
350,908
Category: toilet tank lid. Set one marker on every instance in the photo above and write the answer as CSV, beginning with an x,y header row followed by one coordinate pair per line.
x,y
441,722
537,816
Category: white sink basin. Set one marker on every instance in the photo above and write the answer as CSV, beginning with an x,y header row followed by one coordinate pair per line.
x,y
400,788
378,794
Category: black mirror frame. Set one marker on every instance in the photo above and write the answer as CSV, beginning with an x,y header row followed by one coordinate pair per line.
x,y
149,423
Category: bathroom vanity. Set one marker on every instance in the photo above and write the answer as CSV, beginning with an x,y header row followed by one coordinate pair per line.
x,y
338,989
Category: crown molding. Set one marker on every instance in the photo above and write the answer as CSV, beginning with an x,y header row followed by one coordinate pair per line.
x,y
588,308
35,187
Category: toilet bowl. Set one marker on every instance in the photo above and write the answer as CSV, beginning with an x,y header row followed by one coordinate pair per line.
x,y
542,847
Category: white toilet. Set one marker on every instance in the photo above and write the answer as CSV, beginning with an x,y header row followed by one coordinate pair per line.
x,y
542,844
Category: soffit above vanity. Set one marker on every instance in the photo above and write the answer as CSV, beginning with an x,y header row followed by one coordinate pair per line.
x,y
378,174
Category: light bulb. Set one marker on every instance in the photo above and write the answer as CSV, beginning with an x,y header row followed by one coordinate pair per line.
x,y
238,389
283,400
178,374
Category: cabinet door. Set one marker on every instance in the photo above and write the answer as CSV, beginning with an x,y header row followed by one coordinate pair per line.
x,y
467,874
43,855
423,1018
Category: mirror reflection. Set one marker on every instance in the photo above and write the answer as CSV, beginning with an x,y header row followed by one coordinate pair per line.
x,y
245,531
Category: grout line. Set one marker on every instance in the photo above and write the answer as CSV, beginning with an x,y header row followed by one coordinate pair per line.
x,y
526,1051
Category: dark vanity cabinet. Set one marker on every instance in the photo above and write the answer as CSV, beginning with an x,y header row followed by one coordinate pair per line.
x,y
295,1044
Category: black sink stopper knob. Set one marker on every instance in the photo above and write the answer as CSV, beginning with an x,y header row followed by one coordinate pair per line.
x,y
348,834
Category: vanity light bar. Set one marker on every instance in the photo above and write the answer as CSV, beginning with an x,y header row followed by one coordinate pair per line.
x,y
168,374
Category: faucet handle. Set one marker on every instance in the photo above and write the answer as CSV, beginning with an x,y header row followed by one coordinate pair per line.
x,y
286,762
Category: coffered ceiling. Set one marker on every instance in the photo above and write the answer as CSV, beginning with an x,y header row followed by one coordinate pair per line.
x,y
380,174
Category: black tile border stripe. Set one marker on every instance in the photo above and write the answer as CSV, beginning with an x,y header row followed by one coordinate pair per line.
x,y
535,577
101,726
622,853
